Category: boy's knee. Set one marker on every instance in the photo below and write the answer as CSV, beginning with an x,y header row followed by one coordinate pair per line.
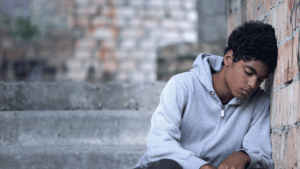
x,y
165,164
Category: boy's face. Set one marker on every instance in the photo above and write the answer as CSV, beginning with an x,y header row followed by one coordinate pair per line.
x,y
244,78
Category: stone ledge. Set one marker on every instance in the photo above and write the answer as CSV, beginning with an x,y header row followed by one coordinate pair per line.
x,y
79,96
74,128
106,157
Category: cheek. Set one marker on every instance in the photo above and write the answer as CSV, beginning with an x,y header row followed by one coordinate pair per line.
x,y
238,79
232,80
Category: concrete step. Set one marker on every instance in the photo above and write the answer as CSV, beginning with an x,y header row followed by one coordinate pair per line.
x,y
74,128
104,157
79,96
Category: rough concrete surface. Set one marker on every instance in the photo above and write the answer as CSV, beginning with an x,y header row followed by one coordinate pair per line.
x,y
74,128
103,139
105,157
79,96
75,124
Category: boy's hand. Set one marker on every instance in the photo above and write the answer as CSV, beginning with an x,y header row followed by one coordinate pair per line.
x,y
237,160
207,166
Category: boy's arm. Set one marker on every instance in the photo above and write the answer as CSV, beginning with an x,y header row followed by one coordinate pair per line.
x,y
207,166
257,142
164,136
237,160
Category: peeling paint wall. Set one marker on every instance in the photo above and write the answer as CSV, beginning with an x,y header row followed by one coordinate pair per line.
x,y
284,84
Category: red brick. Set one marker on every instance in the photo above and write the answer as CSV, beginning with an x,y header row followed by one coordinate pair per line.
x,y
253,8
13,54
277,80
284,102
101,21
287,105
169,24
82,21
296,101
298,146
296,54
271,21
288,62
264,7
284,106
230,24
267,5
284,13
30,52
279,117
99,2
291,149
110,66
273,109
234,16
233,21
7,43
278,149
294,7
284,66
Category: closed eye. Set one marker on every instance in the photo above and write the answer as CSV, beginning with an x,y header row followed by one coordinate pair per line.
x,y
248,73
251,73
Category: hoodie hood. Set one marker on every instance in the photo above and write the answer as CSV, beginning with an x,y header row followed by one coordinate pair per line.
x,y
203,66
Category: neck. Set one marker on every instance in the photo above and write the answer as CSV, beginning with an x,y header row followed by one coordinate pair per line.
x,y
221,87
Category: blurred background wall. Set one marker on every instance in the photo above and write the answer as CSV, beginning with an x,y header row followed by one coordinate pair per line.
x,y
107,40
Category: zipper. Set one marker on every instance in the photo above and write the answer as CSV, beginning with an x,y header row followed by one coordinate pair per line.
x,y
216,132
223,111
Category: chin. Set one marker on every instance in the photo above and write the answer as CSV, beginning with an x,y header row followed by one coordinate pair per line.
x,y
240,96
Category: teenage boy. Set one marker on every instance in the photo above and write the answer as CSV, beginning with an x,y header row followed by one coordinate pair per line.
x,y
216,115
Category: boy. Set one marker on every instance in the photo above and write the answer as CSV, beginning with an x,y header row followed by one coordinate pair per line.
x,y
216,116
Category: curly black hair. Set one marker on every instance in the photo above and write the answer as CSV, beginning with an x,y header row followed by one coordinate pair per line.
x,y
254,40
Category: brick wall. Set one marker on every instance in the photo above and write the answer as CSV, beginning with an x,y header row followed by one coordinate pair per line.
x,y
284,85
118,39
104,40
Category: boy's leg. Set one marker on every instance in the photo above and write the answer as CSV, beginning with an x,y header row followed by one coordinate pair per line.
x,y
164,164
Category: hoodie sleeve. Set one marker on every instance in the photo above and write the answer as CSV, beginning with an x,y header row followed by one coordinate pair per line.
x,y
257,142
164,136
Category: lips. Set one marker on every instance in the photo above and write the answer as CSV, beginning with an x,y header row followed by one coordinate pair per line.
x,y
246,92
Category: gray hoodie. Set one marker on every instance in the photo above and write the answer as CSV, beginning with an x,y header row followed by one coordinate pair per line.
x,y
192,127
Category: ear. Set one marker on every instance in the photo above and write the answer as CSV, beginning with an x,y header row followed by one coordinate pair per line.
x,y
228,58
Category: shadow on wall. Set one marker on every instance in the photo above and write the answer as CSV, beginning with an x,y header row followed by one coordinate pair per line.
x,y
298,52
32,70
294,19
29,70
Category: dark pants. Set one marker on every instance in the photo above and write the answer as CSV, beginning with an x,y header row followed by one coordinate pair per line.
x,y
164,164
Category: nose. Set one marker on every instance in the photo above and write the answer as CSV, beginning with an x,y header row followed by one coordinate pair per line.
x,y
253,82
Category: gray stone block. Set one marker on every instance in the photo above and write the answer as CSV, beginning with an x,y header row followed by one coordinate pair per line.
x,y
214,28
105,157
212,7
74,128
79,96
